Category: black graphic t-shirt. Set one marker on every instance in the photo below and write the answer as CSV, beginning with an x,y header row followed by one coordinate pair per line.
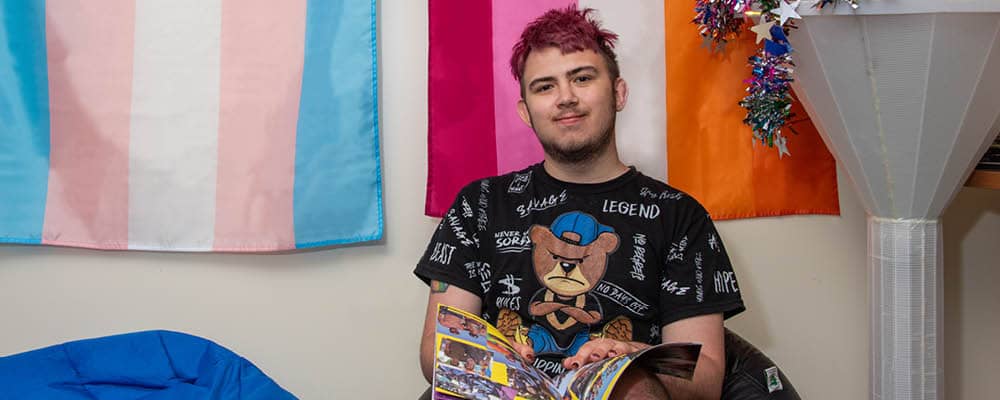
x,y
559,263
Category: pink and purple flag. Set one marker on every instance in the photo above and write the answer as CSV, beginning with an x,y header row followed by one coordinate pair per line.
x,y
188,125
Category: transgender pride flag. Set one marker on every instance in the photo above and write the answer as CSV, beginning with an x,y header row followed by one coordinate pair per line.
x,y
188,125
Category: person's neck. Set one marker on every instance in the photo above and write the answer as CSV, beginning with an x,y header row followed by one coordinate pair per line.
x,y
599,169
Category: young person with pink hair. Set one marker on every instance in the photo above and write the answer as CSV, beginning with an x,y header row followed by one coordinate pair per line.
x,y
580,257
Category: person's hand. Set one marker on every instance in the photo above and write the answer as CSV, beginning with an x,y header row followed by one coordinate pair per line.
x,y
526,352
599,349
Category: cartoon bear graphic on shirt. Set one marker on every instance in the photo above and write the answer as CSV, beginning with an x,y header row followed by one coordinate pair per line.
x,y
569,257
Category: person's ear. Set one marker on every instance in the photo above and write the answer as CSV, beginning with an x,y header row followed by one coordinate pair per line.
x,y
621,94
522,111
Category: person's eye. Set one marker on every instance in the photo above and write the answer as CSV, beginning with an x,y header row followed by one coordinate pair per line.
x,y
584,78
543,88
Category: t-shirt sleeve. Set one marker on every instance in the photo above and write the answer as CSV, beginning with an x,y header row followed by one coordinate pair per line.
x,y
697,278
453,255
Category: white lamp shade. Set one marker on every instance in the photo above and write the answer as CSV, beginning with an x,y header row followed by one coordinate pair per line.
x,y
906,94
896,7
907,102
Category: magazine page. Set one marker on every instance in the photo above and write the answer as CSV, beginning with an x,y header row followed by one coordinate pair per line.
x,y
596,380
593,380
674,359
473,360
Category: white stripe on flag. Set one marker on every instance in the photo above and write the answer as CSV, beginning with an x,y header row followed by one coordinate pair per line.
x,y
174,130
642,125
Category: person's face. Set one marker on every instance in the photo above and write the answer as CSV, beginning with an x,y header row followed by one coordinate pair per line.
x,y
570,100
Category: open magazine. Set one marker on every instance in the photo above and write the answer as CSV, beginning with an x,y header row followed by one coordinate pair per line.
x,y
473,360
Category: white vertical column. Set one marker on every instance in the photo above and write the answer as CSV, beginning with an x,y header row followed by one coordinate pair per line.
x,y
906,298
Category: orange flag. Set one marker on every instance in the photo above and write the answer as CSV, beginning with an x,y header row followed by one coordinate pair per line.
x,y
710,152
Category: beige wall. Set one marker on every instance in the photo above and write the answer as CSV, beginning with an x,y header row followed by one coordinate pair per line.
x,y
971,295
344,323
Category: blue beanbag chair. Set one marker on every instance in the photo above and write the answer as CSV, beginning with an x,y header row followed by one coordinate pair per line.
x,y
153,365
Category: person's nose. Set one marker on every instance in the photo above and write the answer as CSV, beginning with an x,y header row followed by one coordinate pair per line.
x,y
567,96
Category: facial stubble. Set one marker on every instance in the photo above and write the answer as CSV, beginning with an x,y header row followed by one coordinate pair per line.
x,y
587,151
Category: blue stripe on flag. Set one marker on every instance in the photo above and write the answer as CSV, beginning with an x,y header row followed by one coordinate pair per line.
x,y
24,121
338,189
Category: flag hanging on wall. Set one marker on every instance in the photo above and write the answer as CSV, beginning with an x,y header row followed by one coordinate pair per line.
x,y
474,130
711,154
188,125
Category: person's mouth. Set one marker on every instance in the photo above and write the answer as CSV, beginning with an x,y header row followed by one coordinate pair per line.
x,y
570,119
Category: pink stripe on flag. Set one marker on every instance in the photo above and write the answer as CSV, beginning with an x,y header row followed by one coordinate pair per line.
x,y
516,144
89,46
460,141
263,47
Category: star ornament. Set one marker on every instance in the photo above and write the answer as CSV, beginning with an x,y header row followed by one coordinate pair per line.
x,y
787,10
782,143
763,30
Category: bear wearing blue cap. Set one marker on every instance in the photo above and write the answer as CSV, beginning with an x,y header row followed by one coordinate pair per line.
x,y
570,257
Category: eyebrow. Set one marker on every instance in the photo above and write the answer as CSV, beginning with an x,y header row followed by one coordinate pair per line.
x,y
574,71
586,68
578,260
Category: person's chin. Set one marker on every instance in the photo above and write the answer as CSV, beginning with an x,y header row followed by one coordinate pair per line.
x,y
571,156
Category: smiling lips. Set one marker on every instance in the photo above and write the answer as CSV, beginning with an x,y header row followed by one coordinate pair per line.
x,y
569,119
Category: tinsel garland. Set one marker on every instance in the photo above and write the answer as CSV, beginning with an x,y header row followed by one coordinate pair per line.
x,y
720,20
768,101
